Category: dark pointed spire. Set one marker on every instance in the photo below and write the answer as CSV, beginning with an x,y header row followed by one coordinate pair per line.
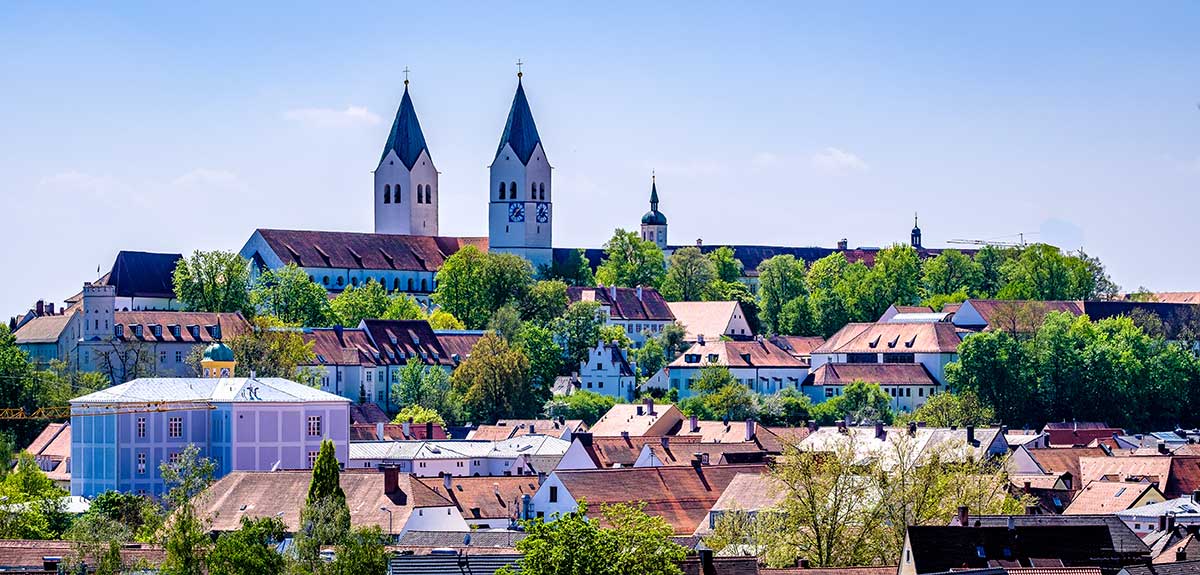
x,y
654,217
406,138
519,131
653,193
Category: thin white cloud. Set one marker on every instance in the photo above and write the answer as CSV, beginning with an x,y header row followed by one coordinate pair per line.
x,y
332,117
98,187
837,160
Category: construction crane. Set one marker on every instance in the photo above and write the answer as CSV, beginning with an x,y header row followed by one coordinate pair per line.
x,y
1020,243
64,412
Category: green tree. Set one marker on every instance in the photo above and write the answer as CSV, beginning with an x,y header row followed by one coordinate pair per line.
x,y
441,319
418,414
403,306
139,516
991,259
185,536
494,382
739,292
33,504
360,552
471,284
326,481
950,272
578,330
727,266
427,386
689,276
630,261
545,356
573,544
582,404
1043,272
546,301
895,279
97,545
796,317
719,395
213,281
250,549
354,304
289,294
951,410
865,401
505,322
780,280
787,408
272,349
651,357
573,270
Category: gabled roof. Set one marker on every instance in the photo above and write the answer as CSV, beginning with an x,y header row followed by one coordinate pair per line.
x,y
405,138
363,251
625,304
1091,544
334,346
709,319
626,417
993,312
751,492
739,354
193,326
681,495
509,428
679,449
43,329
1152,469
1103,497
27,555
398,340
1058,460
197,389
519,131
144,274
53,442
932,337
279,493
480,498
798,345
881,373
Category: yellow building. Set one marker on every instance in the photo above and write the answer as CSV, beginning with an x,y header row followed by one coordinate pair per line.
x,y
218,361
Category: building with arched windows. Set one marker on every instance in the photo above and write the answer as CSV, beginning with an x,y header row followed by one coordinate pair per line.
x,y
405,178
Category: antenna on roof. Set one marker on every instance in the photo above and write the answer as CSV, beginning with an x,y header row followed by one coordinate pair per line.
x,y
519,65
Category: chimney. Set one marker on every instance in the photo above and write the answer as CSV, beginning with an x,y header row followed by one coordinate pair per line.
x,y
447,482
625,434
811,425
406,428
379,431
584,437
1162,522
639,293
750,430
40,308
665,441
650,406
912,428
391,479
699,243
428,430
803,563
971,435
697,460
1181,553
50,308
964,516
1028,486
879,430
700,338
1196,496
1012,523
843,244
1003,430
841,425
337,330
1162,447
694,424
707,567
641,410
1170,523
612,292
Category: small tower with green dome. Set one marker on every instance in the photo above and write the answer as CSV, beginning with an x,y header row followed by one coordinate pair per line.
x,y
654,223
218,361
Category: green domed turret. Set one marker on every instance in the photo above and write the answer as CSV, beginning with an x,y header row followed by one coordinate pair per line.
x,y
218,352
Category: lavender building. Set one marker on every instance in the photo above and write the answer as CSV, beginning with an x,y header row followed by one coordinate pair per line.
x,y
243,424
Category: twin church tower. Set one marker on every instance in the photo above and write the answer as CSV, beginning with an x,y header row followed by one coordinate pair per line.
x,y
520,215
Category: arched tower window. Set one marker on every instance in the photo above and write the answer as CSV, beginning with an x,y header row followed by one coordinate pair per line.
x,y
542,191
387,194
532,191
418,193
397,195
424,285
410,284
502,190
428,194
512,190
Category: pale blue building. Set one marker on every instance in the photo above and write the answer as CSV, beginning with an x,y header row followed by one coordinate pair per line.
x,y
122,434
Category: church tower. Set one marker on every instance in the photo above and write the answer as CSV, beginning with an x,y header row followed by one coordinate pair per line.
x,y
654,223
406,183
520,217
916,234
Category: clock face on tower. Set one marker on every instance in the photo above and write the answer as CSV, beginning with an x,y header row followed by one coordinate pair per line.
x,y
516,212
543,213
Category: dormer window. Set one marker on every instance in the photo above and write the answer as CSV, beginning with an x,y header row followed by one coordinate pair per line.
x,y
175,330
194,330
156,329
118,331
137,330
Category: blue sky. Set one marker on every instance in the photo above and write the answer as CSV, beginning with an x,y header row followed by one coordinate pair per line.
x,y
174,127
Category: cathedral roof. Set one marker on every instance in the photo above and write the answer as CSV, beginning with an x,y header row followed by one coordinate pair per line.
x,y
405,138
520,132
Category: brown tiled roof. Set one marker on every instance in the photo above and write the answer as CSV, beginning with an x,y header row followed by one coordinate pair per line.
x,y
774,439
622,452
53,441
913,309
881,373
1057,460
1186,567
704,318
624,417
989,308
882,570
26,555
458,342
626,305
718,431
231,324
367,413
1035,481
399,340
395,432
933,337
1103,497
1153,469
1185,476
691,565
680,495
43,329
335,346
751,492
509,428
350,250
798,345
735,354
1080,437
485,497
270,493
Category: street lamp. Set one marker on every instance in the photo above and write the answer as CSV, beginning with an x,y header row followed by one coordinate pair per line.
x,y
389,512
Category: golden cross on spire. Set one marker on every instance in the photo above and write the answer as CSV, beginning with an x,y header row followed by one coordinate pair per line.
x,y
519,65
406,70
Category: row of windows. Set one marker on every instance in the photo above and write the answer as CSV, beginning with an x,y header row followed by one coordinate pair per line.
x,y
412,285
424,194
509,192
874,358
141,461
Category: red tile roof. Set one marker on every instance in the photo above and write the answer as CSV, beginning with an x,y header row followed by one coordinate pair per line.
x,y
881,373
1079,437
26,555
231,324
349,250
479,498
400,340
933,337
992,311
395,432
735,354
1153,469
367,413
681,495
623,303
509,428
1106,497
798,345
622,452
337,346
43,329
1058,460
268,494
1185,476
